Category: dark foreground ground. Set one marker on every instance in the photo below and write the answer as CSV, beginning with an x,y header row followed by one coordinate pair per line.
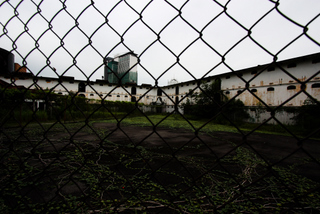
x,y
275,149
103,168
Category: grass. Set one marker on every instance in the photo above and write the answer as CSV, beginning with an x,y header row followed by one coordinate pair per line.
x,y
177,121
121,177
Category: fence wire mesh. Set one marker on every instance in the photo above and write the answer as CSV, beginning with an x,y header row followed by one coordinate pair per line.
x,y
80,155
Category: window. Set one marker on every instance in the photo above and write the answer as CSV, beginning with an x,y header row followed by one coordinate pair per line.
x,y
254,90
292,65
81,87
177,100
271,69
133,90
118,95
159,92
291,87
270,89
91,95
101,84
316,85
177,89
227,92
239,92
317,60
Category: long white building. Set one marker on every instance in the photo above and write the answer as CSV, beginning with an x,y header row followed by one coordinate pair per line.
x,y
289,83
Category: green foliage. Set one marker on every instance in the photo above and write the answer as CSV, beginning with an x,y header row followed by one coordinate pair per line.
x,y
79,176
18,106
308,117
211,102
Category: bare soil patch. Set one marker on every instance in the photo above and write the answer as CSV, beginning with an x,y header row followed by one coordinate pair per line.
x,y
275,149
102,167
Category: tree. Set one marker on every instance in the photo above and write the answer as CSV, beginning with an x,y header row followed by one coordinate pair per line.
x,y
211,102
308,116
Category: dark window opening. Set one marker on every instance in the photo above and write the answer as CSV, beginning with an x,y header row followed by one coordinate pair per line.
x,y
239,92
317,60
159,92
82,95
254,90
291,65
316,85
177,89
82,87
133,99
271,69
133,90
270,89
227,92
118,95
177,100
91,94
291,87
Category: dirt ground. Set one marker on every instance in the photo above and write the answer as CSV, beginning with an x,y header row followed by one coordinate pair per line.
x,y
102,165
274,149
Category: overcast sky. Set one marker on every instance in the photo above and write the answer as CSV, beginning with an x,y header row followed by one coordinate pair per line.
x,y
219,34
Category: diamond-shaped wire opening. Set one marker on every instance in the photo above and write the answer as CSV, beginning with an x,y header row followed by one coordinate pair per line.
x,y
90,166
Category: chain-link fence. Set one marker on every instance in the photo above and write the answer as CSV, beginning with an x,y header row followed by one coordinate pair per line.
x,y
218,142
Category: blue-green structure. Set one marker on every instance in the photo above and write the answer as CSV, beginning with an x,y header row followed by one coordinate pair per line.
x,y
122,68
